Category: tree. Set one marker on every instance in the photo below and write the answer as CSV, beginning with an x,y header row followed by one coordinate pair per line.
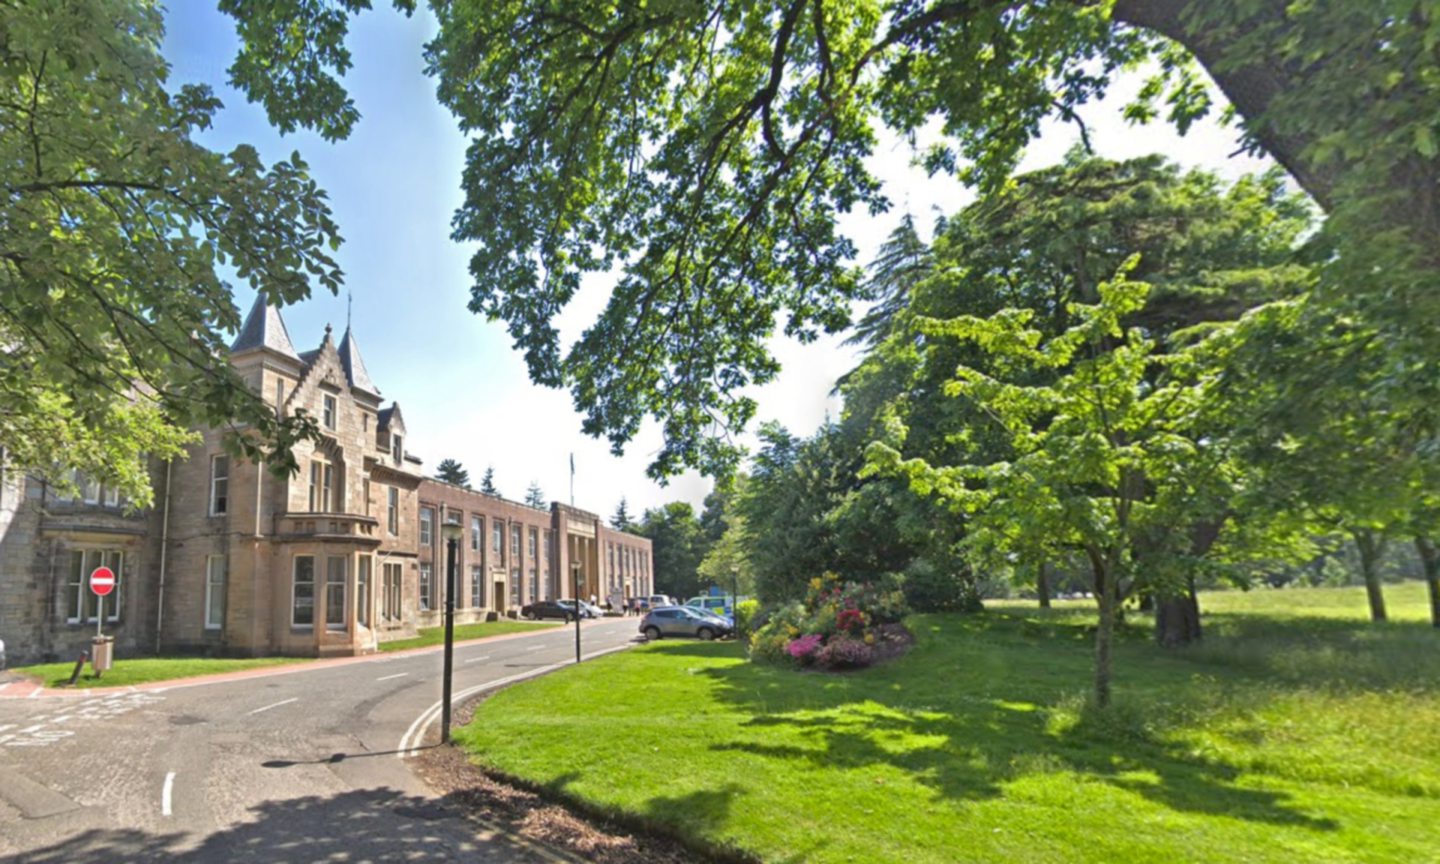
x,y
1105,455
115,224
620,521
903,262
450,471
727,563
487,481
706,148
534,497
676,547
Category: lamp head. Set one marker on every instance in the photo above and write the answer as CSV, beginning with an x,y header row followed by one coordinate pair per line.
x,y
452,531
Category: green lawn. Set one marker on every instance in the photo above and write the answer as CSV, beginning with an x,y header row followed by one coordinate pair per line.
x,y
1285,737
143,670
436,635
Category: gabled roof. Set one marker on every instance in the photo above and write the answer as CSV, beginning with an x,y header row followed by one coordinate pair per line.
x,y
388,415
264,328
354,365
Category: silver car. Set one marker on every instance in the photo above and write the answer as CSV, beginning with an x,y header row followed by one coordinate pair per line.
x,y
682,621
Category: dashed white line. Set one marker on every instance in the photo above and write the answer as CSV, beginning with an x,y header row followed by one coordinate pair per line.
x,y
165,792
478,659
536,647
397,674
276,705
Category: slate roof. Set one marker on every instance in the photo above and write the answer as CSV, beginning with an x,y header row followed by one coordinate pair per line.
x,y
354,365
264,328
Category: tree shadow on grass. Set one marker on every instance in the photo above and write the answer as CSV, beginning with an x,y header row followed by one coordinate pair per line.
x,y
995,700
360,825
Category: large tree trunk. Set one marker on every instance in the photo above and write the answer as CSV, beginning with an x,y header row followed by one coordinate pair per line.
x,y
1430,559
1042,585
1177,619
1371,546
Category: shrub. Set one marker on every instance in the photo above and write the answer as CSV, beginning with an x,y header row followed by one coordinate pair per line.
x,y
930,588
843,652
805,648
746,613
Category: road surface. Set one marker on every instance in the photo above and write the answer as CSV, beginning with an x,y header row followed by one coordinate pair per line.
x,y
298,766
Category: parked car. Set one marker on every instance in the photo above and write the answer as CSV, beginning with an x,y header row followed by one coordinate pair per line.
x,y
587,610
682,621
658,600
547,609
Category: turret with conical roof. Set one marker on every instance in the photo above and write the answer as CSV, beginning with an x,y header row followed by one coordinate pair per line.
x,y
354,365
264,329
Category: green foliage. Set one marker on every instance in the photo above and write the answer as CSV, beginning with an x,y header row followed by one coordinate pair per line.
x,y
451,471
487,481
835,626
677,547
706,148
745,612
535,497
621,520
129,671
929,588
114,226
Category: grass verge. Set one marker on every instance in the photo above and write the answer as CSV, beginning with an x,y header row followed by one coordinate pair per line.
x,y
143,670
436,635
1284,737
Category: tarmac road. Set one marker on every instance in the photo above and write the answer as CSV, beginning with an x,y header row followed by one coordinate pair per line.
x,y
301,765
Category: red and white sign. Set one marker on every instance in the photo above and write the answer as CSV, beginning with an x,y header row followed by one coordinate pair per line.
x,y
102,580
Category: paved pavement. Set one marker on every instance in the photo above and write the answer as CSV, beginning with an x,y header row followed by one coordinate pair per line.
x,y
298,765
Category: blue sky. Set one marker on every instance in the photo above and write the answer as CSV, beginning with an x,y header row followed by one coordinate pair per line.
x,y
393,186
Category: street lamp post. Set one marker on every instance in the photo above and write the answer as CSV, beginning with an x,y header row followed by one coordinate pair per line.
x,y
575,581
451,531
735,599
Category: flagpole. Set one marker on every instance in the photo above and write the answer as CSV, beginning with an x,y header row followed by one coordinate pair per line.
x,y
572,479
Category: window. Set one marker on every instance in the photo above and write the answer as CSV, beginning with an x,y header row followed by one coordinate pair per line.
x,y
365,488
477,530
515,542
219,484
534,585
214,592
322,487
534,544
112,496
335,592
549,541
425,575
302,593
362,592
81,604
497,540
392,517
364,422
390,602
477,587
328,412
397,449
279,397
516,593
427,526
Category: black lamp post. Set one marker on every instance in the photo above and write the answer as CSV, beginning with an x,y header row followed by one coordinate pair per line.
x,y
575,580
735,599
451,531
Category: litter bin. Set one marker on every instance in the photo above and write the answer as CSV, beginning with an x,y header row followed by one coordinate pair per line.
x,y
102,653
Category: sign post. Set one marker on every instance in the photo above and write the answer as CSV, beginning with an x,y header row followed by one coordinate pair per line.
x,y
102,582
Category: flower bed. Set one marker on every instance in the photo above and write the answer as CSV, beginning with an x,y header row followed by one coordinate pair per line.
x,y
839,625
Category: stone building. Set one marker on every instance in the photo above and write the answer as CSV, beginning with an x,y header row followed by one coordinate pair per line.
x,y
335,559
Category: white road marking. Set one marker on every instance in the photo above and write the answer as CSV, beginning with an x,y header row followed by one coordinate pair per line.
x,y
165,793
478,659
396,675
276,705
536,647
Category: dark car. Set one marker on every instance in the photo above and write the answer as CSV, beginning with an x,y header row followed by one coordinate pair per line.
x,y
587,610
547,609
681,621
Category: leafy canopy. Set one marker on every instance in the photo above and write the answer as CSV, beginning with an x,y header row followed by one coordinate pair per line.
x,y
115,225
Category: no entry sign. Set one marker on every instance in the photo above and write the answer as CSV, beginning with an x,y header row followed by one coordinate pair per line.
x,y
102,580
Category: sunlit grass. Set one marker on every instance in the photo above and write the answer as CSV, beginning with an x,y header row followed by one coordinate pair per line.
x,y
1300,733
144,670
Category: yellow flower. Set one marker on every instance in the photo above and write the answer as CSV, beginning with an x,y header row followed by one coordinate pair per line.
x,y
869,638
815,583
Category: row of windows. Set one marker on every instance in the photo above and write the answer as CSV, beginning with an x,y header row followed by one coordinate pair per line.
x,y
477,531
325,494
93,492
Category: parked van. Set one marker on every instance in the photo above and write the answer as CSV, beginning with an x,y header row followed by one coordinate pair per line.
x,y
724,605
